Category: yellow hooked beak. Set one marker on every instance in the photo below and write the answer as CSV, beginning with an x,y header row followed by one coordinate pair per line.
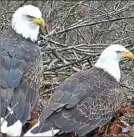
x,y
127,54
39,21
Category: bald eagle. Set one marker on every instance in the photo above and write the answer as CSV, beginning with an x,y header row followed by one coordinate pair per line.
x,y
21,65
87,99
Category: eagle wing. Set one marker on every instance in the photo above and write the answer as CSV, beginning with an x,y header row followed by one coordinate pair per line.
x,y
20,77
82,103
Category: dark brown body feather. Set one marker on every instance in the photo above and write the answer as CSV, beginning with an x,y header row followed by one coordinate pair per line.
x,y
20,76
83,102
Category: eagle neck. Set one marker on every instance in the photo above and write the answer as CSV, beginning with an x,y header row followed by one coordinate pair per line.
x,y
111,67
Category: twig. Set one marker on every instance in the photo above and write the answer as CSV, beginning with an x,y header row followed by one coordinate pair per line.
x,y
9,112
71,63
89,24
63,60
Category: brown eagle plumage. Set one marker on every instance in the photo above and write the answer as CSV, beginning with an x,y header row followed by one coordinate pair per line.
x,y
21,69
82,102
87,99
20,75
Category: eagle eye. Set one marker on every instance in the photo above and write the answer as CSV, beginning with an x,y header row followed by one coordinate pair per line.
x,y
118,52
30,17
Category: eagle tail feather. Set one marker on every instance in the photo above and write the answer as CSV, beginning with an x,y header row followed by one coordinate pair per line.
x,y
44,129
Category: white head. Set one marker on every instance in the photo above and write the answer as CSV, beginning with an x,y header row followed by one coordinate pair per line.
x,y
110,57
27,20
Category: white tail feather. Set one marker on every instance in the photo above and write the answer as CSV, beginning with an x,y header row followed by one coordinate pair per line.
x,y
14,130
